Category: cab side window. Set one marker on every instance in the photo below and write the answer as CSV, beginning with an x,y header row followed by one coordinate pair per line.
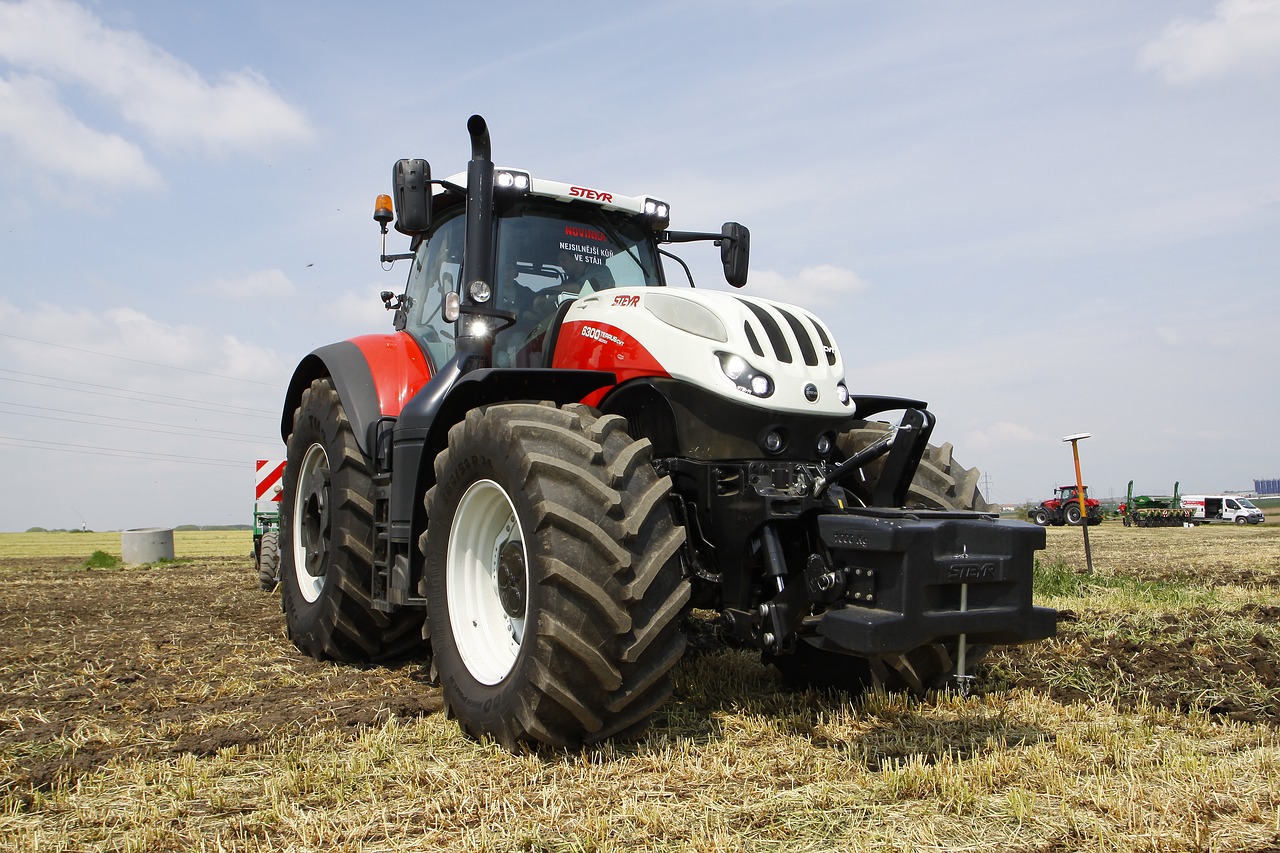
x,y
437,269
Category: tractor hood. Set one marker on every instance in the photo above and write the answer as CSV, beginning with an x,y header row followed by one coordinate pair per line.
x,y
742,348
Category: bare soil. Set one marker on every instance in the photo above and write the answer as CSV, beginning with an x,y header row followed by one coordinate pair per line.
x,y
190,658
187,657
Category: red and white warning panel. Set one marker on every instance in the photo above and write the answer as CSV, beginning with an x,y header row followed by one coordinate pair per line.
x,y
270,482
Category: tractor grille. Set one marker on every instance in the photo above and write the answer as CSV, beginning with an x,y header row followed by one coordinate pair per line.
x,y
803,329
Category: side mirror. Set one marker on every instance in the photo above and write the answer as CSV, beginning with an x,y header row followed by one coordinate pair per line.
x,y
411,190
735,253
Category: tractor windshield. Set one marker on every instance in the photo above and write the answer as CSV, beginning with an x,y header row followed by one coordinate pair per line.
x,y
550,254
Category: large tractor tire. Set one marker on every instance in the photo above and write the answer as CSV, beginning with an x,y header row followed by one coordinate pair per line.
x,y
326,516
269,560
553,583
1074,516
939,483
1041,517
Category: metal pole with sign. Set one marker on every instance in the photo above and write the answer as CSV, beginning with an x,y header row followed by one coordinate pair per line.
x,y
1084,513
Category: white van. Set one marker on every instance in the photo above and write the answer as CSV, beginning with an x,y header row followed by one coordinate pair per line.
x,y
1222,508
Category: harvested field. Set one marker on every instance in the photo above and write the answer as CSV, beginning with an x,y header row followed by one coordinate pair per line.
x,y
162,708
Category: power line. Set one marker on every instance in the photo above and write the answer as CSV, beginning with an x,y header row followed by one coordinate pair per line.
x,y
128,420
124,453
245,410
138,360
137,429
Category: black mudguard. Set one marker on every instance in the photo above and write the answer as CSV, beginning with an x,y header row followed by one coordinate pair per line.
x,y
422,429
346,365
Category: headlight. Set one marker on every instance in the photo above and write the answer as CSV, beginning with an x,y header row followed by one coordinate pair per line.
x,y
505,179
658,212
842,393
744,376
686,315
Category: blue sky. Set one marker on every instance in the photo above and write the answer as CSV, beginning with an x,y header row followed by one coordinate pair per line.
x,y
1042,218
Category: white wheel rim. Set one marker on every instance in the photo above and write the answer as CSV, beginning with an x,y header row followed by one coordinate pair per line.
x,y
488,637
305,511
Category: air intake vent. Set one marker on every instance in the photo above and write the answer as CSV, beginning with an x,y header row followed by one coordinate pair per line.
x,y
771,328
807,350
826,342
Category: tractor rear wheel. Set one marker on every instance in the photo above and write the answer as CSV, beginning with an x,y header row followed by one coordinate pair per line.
x,y
326,515
553,583
1074,518
939,482
269,560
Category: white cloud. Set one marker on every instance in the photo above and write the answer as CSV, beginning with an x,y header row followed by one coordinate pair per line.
x,y
131,420
1002,434
166,99
44,134
123,346
355,312
813,287
258,286
1242,37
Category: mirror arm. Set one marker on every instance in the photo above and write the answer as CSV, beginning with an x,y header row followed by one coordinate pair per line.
x,y
690,236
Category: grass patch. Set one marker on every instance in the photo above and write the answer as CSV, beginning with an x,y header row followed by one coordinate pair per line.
x,y
101,560
1057,579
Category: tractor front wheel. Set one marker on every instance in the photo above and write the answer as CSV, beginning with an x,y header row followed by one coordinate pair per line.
x,y
924,668
939,482
823,669
553,584
1041,517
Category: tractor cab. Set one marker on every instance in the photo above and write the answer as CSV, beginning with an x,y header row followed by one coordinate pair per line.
x,y
1069,493
548,254
533,246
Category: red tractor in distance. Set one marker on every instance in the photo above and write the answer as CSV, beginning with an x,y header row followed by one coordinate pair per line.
x,y
1064,508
